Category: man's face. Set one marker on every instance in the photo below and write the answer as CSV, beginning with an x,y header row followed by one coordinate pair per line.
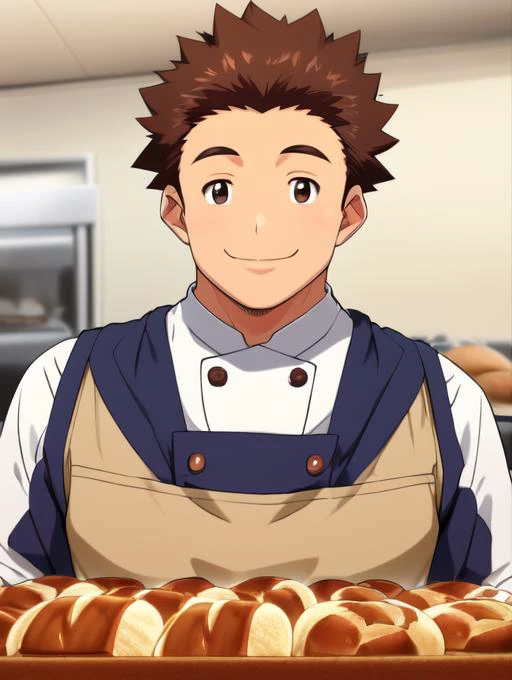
x,y
261,224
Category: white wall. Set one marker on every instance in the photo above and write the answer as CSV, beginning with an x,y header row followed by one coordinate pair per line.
x,y
435,252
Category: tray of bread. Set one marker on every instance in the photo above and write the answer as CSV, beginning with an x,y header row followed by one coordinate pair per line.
x,y
26,312
65,617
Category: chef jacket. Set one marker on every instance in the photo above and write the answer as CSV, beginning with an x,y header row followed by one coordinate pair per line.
x,y
310,411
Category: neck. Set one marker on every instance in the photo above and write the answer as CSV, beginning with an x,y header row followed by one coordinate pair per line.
x,y
258,325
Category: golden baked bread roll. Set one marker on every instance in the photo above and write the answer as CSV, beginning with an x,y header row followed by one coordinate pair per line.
x,y
226,628
23,596
422,598
457,589
167,603
358,594
389,588
489,593
292,596
474,625
8,617
188,586
338,589
257,585
348,628
462,590
217,593
62,586
86,624
326,587
21,624
117,585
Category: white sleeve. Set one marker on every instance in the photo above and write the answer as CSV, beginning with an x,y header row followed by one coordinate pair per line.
x,y
21,446
485,469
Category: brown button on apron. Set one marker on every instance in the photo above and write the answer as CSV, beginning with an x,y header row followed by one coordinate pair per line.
x,y
298,377
217,376
315,464
196,462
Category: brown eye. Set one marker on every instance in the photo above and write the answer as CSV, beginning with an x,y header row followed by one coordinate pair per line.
x,y
303,190
218,192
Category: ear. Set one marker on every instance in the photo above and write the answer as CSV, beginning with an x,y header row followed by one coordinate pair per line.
x,y
354,214
172,213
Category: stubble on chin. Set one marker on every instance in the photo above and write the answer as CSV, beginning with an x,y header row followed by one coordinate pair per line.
x,y
251,311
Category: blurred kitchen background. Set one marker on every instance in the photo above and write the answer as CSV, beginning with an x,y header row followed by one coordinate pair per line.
x,y
81,239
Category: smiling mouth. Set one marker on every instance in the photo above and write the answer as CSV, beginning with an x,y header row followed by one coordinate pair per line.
x,y
261,259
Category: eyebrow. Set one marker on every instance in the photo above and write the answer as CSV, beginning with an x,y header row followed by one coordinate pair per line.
x,y
227,151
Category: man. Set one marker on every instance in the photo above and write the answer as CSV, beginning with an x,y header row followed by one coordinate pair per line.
x,y
257,427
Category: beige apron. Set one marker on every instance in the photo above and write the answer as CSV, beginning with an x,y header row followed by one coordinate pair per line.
x,y
122,521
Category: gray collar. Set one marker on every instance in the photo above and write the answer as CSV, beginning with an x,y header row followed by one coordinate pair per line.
x,y
293,339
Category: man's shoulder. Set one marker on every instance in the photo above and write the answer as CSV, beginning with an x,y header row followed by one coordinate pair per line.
x,y
460,385
458,382
42,376
388,333
53,359
128,326
455,378
116,330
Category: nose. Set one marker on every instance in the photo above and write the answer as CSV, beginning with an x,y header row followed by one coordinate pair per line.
x,y
260,221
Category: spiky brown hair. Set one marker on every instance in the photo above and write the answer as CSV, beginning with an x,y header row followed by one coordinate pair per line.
x,y
260,62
